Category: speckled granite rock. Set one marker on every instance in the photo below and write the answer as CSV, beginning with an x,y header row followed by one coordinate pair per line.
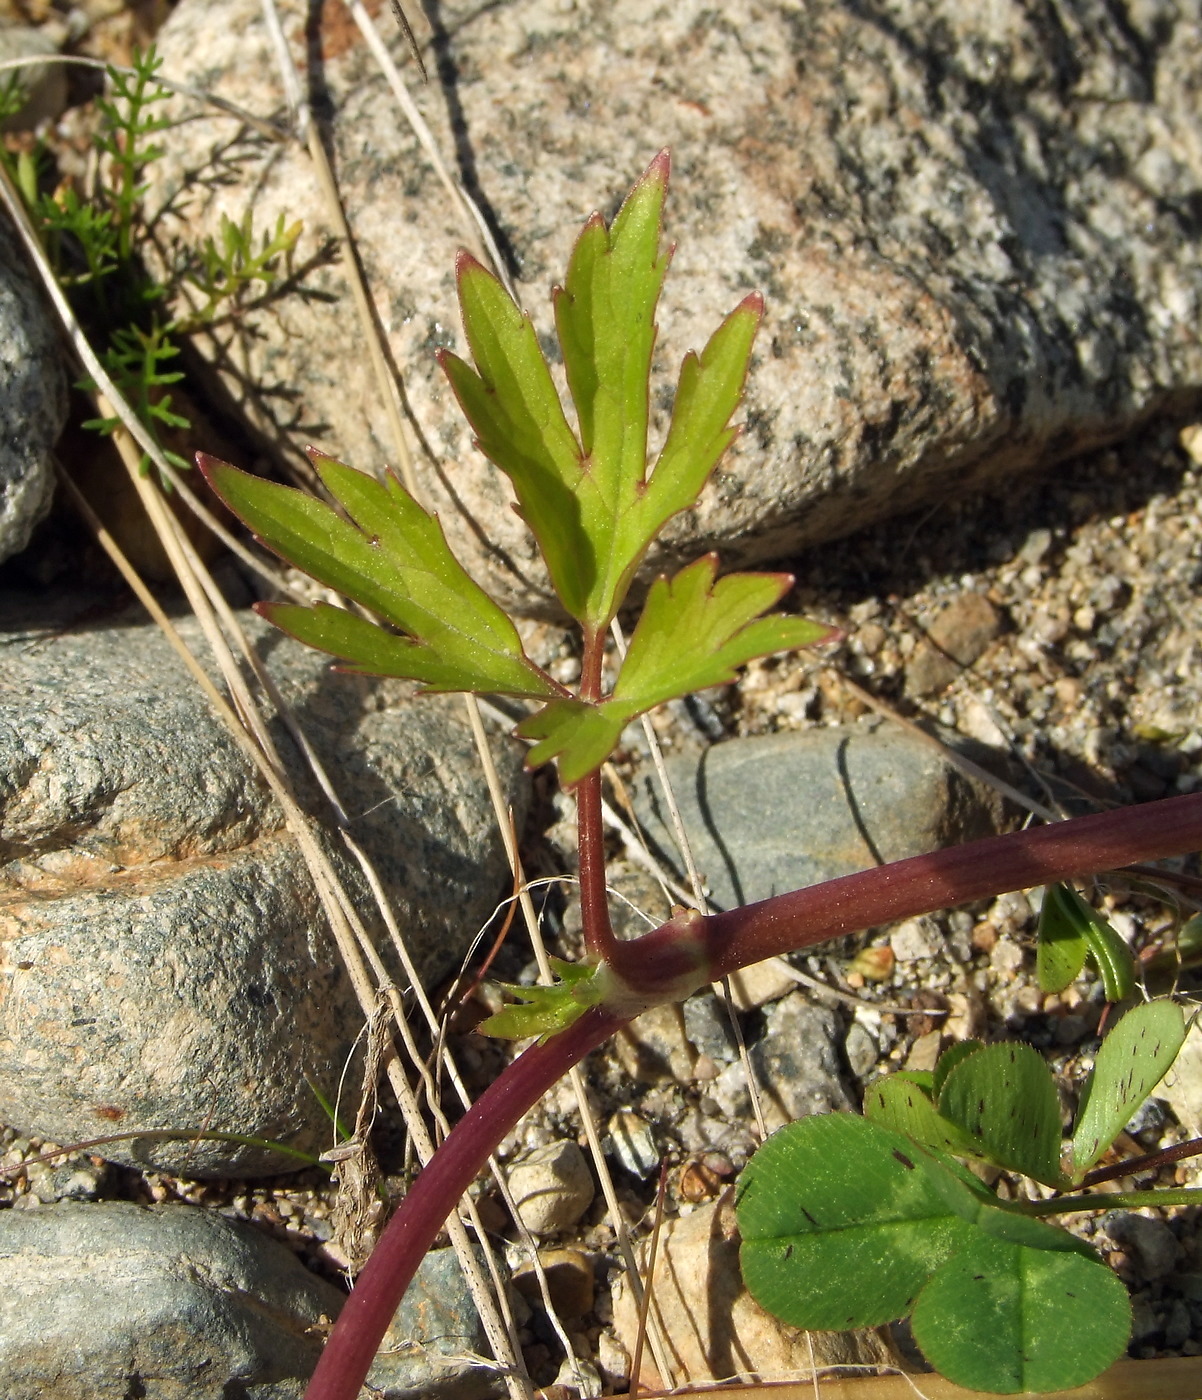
x,y
782,811
975,227
33,399
164,960
103,1302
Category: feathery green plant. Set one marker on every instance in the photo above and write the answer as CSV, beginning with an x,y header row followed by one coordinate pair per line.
x,y
93,245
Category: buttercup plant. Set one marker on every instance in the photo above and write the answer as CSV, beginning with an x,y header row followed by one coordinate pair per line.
x,y
595,505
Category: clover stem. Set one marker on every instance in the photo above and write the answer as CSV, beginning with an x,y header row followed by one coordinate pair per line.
x,y
1150,1161
599,938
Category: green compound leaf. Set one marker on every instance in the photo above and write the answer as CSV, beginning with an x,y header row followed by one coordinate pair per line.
x,y
693,633
1004,1098
948,1061
1132,1060
1061,948
1004,1317
589,499
392,557
546,1010
1068,929
897,1101
843,1221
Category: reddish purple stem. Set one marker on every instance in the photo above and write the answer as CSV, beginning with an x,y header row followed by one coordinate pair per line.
x,y
692,950
380,1287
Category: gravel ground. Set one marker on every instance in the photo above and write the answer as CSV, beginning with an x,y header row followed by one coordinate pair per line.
x,y
1074,599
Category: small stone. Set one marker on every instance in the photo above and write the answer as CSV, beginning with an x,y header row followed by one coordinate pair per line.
x,y
578,1380
569,1281
698,1182
957,637
633,1142
861,1050
1006,958
1190,439
872,964
984,937
924,1053
613,1358
798,1064
552,1187
761,983
718,1331
655,1047
1149,1242
917,938
707,1021
1181,1088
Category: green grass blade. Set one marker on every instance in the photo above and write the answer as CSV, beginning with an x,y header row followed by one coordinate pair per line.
x,y
1005,1318
1132,1060
1003,1097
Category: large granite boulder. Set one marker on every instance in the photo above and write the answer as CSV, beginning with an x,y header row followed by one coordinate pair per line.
x,y
976,228
164,959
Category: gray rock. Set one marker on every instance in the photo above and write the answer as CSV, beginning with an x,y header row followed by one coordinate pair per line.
x,y
436,1331
33,399
861,1050
778,812
1153,1244
106,1301
633,1142
917,938
44,84
164,959
171,1302
798,1062
552,1186
974,226
707,1022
